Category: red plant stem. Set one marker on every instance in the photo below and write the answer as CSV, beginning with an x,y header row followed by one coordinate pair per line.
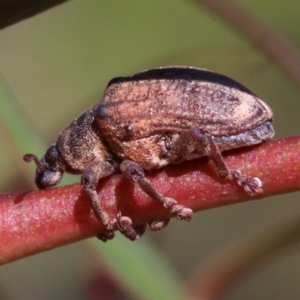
x,y
36,221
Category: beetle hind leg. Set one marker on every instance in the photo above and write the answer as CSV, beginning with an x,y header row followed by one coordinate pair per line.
x,y
135,173
252,185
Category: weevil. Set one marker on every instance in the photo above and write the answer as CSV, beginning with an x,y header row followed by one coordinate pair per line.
x,y
149,120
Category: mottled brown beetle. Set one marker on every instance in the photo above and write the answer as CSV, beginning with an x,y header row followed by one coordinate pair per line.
x,y
152,119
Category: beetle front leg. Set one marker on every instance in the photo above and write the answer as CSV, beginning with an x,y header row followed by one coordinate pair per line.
x,y
158,225
252,185
135,173
124,225
89,180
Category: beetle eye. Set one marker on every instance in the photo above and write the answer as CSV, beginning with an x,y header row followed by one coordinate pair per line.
x,y
51,156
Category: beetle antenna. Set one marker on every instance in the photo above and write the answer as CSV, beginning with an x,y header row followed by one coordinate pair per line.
x,y
32,157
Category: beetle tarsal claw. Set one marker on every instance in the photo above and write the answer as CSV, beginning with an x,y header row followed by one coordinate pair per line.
x,y
158,225
252,185
124,225
106,235
181,212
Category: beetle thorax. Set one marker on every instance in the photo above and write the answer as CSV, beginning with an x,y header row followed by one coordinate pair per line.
x,y
80,143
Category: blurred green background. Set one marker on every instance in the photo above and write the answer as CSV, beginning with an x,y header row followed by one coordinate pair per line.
x,y
56,65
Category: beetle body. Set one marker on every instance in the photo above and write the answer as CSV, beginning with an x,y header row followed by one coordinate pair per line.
x,y
152,119
142,116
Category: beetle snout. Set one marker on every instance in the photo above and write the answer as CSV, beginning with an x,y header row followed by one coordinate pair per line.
x,y
47,178
47,172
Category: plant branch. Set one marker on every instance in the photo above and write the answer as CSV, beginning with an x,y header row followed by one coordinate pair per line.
x,y
36,221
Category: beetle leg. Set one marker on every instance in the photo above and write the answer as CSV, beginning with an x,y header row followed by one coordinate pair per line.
x,y
124,225
158,225
252,185
89,180
135,173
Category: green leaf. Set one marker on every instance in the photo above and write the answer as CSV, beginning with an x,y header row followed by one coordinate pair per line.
x,y
142,268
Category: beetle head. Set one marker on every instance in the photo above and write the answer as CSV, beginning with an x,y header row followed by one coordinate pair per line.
x,y
49,169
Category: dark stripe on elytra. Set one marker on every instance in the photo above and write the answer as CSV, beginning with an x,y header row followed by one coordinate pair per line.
x,y
182,73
